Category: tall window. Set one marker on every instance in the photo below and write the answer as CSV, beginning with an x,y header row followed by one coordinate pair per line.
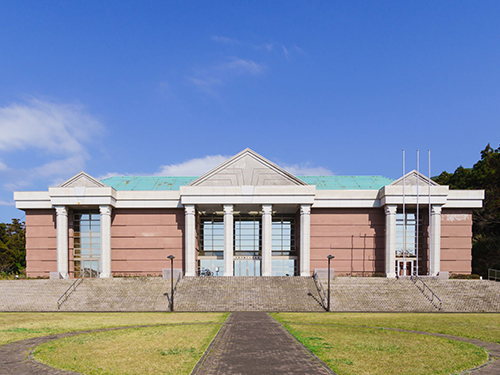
x,y
247,235
411,234
87,243
211,246
284,260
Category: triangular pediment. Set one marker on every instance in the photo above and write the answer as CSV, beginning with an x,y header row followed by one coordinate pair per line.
x,y
82,179
247,169
414,178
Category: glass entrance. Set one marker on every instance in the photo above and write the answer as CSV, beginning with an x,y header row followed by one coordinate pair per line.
x,y
247,245
87,244
247,266
405,267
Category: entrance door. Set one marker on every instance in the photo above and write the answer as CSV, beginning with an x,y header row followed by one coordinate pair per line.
x,y
247,267
405,267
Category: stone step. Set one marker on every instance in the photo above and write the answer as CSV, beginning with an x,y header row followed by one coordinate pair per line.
x,y
247,294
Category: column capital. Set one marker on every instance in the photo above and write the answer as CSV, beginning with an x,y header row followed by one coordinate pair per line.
x,y
105,210
189,209
61,210
267,209
436,209
305,209
391,209
228,209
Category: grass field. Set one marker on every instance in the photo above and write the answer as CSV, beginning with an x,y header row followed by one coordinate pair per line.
x,y
348,345
153,350
20,326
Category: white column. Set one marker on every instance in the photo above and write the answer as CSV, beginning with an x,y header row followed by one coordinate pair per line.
x,y
105,241
305,240
62,241
390,240
435,245
190,239
267,253
228,239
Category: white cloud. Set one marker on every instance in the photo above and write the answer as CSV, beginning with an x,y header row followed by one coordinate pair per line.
x,y
286,52
57,128
243,66
60,131
193,167
307,170
4,203
207,85
224,39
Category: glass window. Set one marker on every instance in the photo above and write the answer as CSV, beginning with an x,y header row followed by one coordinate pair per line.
x,y
86,243
410,240
283,235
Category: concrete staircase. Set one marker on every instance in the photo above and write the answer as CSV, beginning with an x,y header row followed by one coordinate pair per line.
x,y
31,295
467,295
247,294
120,294
376,294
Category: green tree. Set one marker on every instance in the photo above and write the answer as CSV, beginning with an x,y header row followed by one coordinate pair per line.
x,y
485,175
12,247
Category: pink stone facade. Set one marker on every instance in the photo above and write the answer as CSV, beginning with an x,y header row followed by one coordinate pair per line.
x,y
142,239
356,237
456,240
41,243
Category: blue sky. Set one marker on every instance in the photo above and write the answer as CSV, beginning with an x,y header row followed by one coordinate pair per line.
x,y
174,87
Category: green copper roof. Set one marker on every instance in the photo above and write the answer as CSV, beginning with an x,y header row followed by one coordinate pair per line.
x,y
144,183
347,182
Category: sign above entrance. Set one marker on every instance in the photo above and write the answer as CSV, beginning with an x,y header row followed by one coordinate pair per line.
x,y
238,257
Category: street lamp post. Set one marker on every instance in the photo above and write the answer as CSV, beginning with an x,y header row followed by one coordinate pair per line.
x,y
171,257
330,257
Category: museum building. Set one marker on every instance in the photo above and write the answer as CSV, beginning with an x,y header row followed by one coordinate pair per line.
x,y
248,217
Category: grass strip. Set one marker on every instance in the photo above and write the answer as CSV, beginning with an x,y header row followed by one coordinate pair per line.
x,y
485,327
20,326
368,351
171,349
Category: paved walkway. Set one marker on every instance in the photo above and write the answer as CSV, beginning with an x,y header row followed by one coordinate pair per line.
x,y
254,343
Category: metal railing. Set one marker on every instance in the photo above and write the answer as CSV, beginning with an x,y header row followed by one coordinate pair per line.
x,y
70,290
321,290
427,292
493,274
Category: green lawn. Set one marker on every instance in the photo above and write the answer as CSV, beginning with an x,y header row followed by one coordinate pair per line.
x,y
484,327
348,344
153,350
20,326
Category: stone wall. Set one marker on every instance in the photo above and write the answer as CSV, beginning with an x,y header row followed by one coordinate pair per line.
x,y
356,237
142,239
41,243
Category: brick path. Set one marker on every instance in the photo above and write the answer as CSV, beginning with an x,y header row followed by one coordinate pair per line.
x,y
254,343
14,360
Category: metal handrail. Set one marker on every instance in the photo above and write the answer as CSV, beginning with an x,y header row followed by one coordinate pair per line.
x,y
433,298
495,273
321,290
70,290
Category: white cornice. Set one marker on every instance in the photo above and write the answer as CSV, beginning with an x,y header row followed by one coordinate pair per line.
x,y
247,194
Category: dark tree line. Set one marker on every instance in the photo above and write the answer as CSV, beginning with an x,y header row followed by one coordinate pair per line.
x,y
484,175
12,247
